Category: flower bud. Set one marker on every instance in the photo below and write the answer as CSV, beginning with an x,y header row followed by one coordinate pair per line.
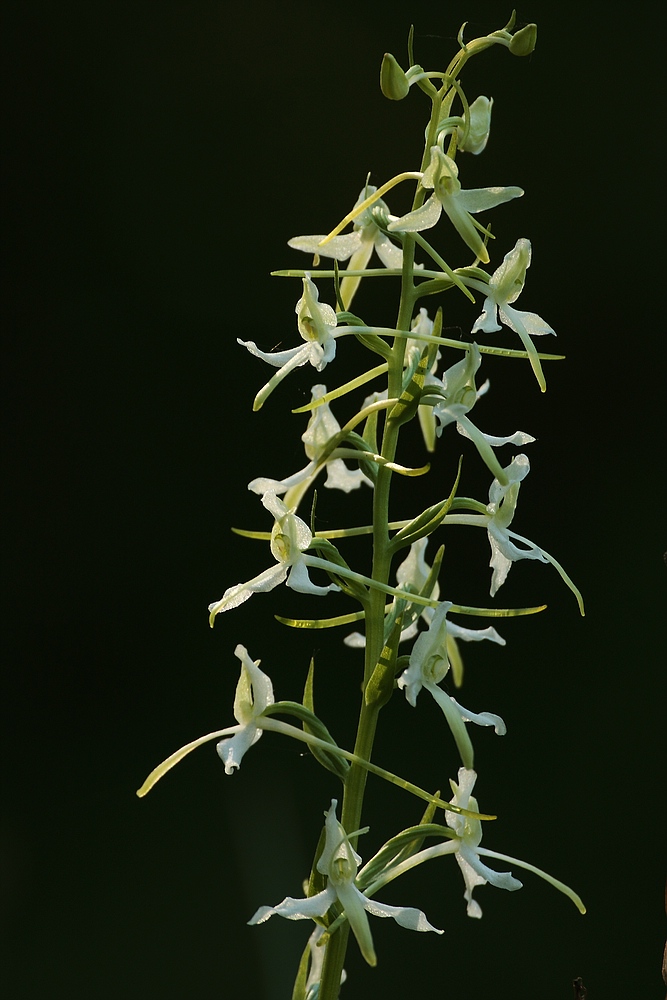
x,y
523,42
393,81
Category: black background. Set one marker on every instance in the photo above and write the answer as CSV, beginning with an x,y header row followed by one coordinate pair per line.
x,y
160,155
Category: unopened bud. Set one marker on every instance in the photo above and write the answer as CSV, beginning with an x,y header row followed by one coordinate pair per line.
x,y
393,81
523,42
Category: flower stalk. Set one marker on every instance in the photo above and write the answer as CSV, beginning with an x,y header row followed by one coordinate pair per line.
x,y
433,379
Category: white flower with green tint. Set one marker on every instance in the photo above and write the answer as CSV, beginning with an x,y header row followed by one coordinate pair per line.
x,y
505,285
501,509
254,693
428,667
317,325
322,427
339,862
465,847
442,175
289,540
454,395
358,245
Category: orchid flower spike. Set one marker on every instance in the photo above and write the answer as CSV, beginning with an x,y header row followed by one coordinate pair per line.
x,y
317,326
505,285
442,175
358,245
339,862
428,666
289,540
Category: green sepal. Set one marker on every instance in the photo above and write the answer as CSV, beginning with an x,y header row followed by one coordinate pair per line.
x,y
426,522
380,685
315,727
355,616
350,587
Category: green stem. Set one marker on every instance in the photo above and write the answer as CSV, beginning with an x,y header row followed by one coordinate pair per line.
x,y
355,784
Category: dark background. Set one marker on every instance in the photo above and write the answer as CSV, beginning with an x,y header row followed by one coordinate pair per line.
x,y
160,155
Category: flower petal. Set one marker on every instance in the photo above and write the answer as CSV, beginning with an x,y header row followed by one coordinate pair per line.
x,y
423,218
297,909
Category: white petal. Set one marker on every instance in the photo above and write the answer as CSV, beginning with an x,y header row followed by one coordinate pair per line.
x,y
299,580
234,596
519,438
339,477
340,247
487,321
482,718
423,218
405,916
297,909
533,324
355,640
279,358
502,880
482,199
390,255
231,751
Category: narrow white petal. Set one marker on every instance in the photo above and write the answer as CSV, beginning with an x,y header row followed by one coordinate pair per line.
x,y
340,247
297,909
482,718
423,218
405,916
482,199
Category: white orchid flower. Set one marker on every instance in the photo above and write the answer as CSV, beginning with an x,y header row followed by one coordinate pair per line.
x,y
340,862
442,175
289,540
358,245
455,397
466,848
428,666
501,509
322,427
505,285
317,326
254,693
499,515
